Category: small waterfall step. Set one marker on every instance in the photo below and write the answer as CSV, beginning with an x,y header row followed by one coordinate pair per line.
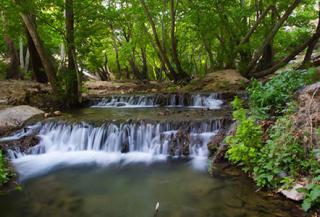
x,y
194,100
64,143
167,139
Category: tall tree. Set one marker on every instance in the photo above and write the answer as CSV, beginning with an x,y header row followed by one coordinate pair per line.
x,y
43,53
36,63
73,80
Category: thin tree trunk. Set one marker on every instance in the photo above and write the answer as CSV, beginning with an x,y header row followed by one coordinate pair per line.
x,y
134,67
182,75
27,61
116,49
163,26
45,58
73,80
21,53
255,26
271,35
207,47
144,62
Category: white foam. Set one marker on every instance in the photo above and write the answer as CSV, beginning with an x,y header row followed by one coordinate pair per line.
x,y
29,166
197,101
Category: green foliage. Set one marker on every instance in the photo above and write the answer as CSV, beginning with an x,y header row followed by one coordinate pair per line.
x,y
281,158
247,141
271,98
312,194
4,173
208,32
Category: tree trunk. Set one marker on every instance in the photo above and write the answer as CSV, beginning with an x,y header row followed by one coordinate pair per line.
x,y
271,35
182,75
13,71
163,55
45,58
163,26
156,49
292,55
311,47
144,62
104,72
207,47
73,80
21,53
37,68
27,61
116,49
267,57
134,67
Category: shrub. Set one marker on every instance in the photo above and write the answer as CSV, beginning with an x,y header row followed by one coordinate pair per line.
x,y
246,142
3,170
271,98
281,158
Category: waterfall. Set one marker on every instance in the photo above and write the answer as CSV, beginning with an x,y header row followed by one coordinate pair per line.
x,y
209,101
77,143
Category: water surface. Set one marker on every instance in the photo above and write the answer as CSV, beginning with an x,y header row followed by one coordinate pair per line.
x,y
133,191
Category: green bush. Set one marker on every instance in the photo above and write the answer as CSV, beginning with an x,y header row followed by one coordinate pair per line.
x,y
247,141
271,98
4,173
282,157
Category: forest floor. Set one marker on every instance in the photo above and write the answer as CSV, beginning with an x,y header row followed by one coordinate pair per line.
x,y
226,80
14,92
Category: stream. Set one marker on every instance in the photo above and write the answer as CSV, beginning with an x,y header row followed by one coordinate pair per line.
x,y
122,155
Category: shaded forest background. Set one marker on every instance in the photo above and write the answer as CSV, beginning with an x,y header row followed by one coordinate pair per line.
x,y
176,40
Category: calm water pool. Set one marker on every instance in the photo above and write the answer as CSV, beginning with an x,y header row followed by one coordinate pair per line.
x,y
133,190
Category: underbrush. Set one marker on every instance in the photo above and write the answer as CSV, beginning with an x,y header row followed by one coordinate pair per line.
x,y
276,156
4,172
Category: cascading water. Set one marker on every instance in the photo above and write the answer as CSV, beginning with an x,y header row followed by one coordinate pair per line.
x,y
70,144
62,143
147,154
209,101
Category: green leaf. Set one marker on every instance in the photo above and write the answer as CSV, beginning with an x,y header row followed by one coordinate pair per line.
x,y
315,193
306,205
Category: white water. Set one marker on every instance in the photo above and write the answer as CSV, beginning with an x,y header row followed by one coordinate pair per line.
x,y
210,101
64,144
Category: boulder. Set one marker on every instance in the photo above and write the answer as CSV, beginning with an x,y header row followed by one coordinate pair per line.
x,y
222,147
14,117
57,113
47,115
292,193
215,142
22,144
